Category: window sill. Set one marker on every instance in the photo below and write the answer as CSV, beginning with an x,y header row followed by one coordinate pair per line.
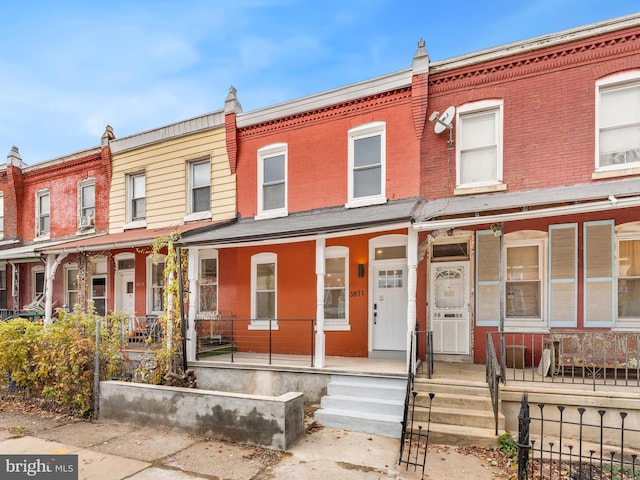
x,y
195,216
88,231
462,190
272,214
337,327
263,325
136,224
526,326
618,172
365,202
42,238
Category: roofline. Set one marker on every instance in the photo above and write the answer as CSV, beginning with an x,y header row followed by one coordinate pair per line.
x,y
57,161
189,126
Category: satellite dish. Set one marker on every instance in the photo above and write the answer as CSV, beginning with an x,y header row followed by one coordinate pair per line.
x,y
443,121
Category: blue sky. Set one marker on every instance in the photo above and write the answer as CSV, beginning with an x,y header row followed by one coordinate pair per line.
x,y
69,68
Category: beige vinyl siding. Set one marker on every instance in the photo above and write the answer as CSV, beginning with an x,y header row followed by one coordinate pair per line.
x,y
165,167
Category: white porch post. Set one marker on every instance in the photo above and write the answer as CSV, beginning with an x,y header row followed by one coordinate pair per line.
x,y
320,338
412,288
192,273
51,265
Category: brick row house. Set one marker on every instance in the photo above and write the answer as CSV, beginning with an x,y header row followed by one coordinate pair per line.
x,y
429,199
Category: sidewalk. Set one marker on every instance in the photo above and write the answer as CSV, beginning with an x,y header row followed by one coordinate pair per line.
x,y
108,451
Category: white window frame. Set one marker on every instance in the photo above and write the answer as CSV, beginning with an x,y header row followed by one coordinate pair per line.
x,y
68,268
260,259
154,261
614,82
466,111
34,272
86,214
208,255
191,186
360,132
131,222
41,234
624,232
528,238
338,323
265,153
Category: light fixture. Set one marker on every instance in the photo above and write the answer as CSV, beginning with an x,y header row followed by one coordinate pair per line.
x,y
361,270
496,229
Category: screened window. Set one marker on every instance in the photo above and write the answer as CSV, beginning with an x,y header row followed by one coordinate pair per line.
x,y
71,277
136,194
523,282
619,122
43,214
87,205
263,287
208,284
272,180
157,287
200,179
629,279
367,157
479,144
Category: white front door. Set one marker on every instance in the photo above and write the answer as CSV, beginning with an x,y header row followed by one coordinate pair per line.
x,y
450,307
125,292
390,307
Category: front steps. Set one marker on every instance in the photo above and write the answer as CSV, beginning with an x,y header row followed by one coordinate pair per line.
x,y
364,404
461,412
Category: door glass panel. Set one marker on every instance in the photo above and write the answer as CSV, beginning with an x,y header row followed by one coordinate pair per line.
x,y
449,290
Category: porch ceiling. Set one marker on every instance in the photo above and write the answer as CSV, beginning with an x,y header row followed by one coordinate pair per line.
x,y
316,222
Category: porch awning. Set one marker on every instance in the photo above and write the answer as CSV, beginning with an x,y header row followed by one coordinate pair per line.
x,y
489,208
316,222
24,253
127,239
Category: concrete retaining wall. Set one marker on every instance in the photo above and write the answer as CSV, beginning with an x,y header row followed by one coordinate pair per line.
x,y
231,378
270,421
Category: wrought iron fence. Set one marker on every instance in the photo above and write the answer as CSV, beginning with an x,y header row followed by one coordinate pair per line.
x,y
224,338
577,444
414,442
594,358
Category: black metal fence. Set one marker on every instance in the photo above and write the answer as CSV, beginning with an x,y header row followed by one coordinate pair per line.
x,y
414,442
575,443
594,358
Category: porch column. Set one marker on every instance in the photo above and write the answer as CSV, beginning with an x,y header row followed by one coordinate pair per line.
x,y
412,288
192,273
320,339
15,285
51,265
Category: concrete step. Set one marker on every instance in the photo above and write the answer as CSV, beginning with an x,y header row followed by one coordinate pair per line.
x,y
367,387
363,405
378,424
454,400
456,435
458,416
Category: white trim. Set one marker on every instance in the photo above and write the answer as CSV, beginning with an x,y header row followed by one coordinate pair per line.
x,y
39,234
91,219
129,178
207,254
150,264
367,130
481,107
200,214
271,151
339,323
258,259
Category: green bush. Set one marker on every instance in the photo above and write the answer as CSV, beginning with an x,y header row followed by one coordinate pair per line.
x,y
56,362
507,445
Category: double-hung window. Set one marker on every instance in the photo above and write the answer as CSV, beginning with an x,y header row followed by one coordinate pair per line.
x,y
523,283
43,213
156,284
87,204
263,290
629,280
208,283
367,164
479,145
136,194
200,186
618,122
336,279
71,285
272,181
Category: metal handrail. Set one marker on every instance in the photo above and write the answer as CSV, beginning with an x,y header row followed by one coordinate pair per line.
x,y
493,377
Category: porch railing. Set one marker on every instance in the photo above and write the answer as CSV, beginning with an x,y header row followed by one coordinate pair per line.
x,y
493,375
594,358
229,339
577,443
7,313
142,330
426,355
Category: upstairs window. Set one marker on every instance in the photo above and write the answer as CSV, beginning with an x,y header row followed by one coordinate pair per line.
x,y
200,186
272,181
43,215
618,122
367,164
479,144
87,203
136,197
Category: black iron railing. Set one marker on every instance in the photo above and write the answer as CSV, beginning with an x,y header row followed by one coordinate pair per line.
x,y
224,338
594,358
7,313
493,376
426,356
565,444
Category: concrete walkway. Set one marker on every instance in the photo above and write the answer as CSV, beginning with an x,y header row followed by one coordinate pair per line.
x,y
114,451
